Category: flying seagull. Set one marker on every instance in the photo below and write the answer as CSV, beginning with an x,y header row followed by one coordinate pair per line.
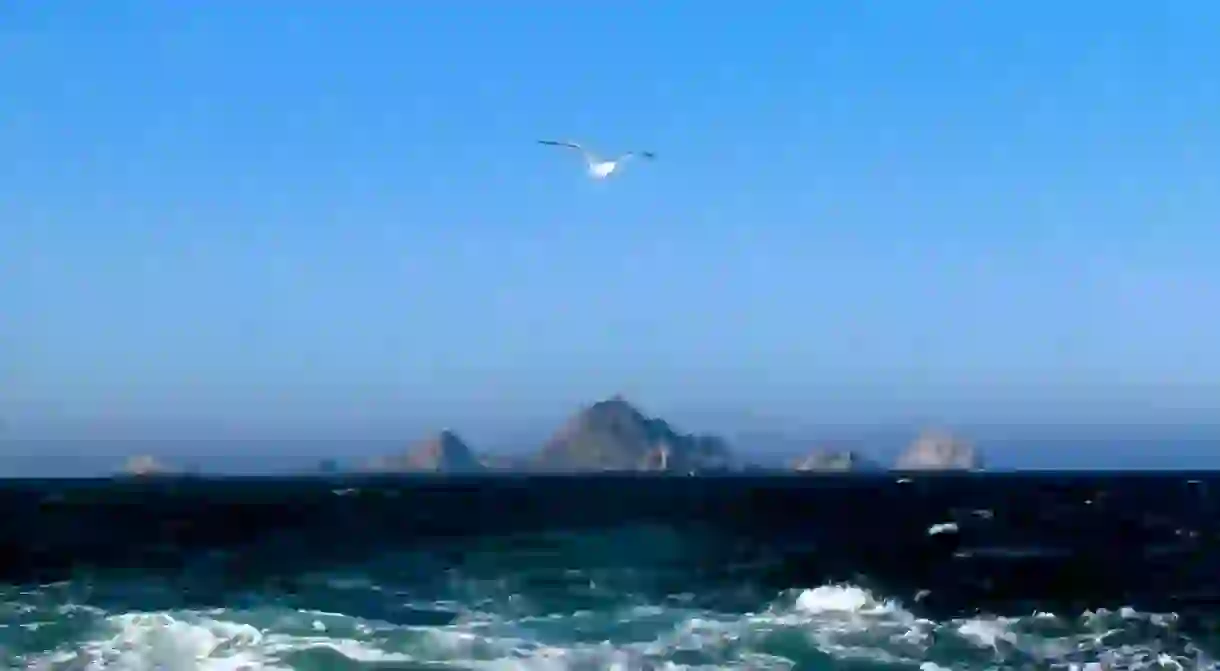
x,y
599,169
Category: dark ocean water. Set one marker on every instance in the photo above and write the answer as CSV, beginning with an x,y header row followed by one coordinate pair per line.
x,y
856,572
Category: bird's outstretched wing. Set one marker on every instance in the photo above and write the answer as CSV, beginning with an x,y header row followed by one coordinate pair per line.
x,y
561,143
589,157
642,154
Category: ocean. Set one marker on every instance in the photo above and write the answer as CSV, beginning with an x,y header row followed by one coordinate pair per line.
x,y
929,572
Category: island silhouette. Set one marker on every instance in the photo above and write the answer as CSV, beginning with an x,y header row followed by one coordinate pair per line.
x,y
613,435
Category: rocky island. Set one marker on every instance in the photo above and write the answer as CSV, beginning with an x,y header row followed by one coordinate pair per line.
x,y
939,450
145,466
834,461
612,435
444,452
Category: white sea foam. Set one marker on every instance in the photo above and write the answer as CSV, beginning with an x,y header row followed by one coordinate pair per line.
x,y
942,528
835,625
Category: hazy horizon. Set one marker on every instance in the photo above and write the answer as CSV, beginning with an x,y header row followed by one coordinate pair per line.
x,y
1016,446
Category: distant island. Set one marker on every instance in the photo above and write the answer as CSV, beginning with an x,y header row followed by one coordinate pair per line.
x,y
445,452
614,436
144,465
829,460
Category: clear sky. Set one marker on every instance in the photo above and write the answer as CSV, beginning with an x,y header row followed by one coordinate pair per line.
x,y
333,215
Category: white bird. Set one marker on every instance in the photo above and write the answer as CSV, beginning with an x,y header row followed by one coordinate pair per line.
x,y
598,168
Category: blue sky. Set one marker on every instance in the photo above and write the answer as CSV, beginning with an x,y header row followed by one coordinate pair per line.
x,y
307,215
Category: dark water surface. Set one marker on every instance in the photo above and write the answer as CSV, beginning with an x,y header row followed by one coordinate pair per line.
x,y
943,571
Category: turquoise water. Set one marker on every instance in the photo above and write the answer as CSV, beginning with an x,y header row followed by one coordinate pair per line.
x,y
637,595
495,624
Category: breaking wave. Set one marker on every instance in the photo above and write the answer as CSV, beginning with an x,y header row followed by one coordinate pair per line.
x,y
832,626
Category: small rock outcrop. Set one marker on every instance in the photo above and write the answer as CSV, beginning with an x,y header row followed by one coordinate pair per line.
x,y
144,465
612,435
838,461
938,450
445,452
